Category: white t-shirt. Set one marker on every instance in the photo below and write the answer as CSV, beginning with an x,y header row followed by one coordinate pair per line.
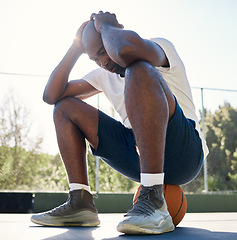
x,y
175,76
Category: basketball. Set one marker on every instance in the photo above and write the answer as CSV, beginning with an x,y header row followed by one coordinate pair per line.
x,y
175,199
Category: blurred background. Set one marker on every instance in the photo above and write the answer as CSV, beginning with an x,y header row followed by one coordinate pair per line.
x,y
35,35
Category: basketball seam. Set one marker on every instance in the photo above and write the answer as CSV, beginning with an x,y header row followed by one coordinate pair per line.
x,y
180,205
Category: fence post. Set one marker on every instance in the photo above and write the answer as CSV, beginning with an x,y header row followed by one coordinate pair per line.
x,y
204,137
97,174
97,159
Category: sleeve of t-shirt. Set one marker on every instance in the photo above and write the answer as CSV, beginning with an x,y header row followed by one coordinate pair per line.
x,y
171,53
94,77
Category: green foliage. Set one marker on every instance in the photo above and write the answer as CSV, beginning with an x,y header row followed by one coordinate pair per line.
x,y
109,179
24,167
30,171
221,135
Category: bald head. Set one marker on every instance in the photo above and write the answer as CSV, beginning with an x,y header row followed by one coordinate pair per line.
x,y
94,47
90,37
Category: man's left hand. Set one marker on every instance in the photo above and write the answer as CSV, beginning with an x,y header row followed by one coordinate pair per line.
x,y
102,19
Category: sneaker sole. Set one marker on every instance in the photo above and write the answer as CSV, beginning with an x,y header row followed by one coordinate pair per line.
x,y
83,219
127,228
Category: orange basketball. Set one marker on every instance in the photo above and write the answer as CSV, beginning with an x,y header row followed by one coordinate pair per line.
x,y
175,199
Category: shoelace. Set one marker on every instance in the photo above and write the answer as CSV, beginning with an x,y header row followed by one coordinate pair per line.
x,y
144,204
63,206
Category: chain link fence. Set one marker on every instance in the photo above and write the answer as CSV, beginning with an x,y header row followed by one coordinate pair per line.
x,y
216,109
217,113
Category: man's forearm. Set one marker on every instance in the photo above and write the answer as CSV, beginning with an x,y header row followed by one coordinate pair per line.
x,y
59,78
121,45
118,43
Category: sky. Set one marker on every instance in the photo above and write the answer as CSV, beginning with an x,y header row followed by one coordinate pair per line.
x,y
35,35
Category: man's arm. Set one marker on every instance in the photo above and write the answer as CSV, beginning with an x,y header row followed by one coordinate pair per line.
x,y
80,89
58,85
125,46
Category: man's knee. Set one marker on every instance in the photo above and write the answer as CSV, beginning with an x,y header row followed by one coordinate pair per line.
x,y
142,71
142,77
62,108
138,68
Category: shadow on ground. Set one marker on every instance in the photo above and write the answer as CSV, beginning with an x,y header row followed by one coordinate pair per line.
x,y
180,233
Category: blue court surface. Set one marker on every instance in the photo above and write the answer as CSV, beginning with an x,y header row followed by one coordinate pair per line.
x,y
194,226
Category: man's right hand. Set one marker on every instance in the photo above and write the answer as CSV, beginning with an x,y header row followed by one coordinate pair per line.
x,y
78,38
58,80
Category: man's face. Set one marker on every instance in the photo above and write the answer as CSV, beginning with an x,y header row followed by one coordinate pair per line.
x,y
93,45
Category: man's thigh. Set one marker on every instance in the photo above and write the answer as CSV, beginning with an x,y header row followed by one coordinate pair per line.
x,y
183,152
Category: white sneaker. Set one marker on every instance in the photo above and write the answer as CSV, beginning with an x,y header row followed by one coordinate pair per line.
x,y
149,215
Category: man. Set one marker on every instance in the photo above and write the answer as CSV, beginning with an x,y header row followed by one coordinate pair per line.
x,y
142,79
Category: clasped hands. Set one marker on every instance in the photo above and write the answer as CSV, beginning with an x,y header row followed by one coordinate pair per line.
x,y
101,21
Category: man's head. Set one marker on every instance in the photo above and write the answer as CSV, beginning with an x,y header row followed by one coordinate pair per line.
x,y
94,47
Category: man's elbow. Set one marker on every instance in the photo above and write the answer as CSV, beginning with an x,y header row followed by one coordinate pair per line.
x,y
49,100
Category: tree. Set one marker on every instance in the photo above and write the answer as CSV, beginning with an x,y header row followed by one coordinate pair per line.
x,y
221,137
14,132
23,166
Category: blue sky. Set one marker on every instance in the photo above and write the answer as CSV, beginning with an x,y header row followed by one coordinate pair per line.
x,y
35,34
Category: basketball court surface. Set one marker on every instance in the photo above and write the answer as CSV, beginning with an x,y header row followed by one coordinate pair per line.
x,y
194,226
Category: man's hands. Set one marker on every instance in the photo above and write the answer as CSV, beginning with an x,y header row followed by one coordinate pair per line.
x,y
78,37
102,19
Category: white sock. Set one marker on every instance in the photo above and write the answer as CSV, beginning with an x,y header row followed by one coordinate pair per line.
x,y
78,186
151,179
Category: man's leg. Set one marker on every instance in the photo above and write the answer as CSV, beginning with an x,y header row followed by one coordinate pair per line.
x,y
149,104
75,121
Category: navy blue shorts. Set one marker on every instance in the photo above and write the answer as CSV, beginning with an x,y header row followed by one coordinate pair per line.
x,y
183,151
